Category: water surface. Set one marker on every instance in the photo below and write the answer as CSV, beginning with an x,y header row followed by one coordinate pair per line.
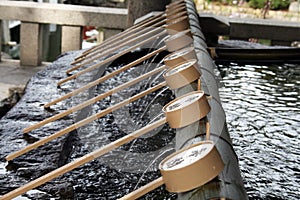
x,y
263,116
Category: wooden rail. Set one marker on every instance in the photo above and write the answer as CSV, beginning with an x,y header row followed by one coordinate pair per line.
x,y
32,15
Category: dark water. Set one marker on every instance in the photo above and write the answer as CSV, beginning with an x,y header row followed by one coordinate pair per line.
x,y
135,163
263,114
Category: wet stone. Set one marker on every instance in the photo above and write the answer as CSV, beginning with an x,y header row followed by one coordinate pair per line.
x,y
40,89
8,103
109,177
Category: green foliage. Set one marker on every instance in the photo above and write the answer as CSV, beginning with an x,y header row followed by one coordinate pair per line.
x,y
224,2
257,3
275,4
280,4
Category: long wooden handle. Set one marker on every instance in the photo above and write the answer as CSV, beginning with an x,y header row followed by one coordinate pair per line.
x,y
84,122
93,100
116,46
207,135
110,58
148,21
144,190
78,162
128,31
104,78
113,46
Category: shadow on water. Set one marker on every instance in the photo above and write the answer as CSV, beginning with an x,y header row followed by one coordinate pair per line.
x,y
263,114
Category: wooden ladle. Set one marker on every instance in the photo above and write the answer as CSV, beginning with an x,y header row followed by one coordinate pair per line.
x,y
92,118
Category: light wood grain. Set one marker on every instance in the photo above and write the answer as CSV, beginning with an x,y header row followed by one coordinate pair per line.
x,y
78,162
112,58
104,78
115,46
116,39
94,100
144,190
84,122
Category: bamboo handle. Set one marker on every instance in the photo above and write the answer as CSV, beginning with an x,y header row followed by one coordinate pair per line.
x,y
143,190
93,100
78,162
199,84
111,50
128,31
104,78
113,46
84,122
116,46
207,135
110,58
148,21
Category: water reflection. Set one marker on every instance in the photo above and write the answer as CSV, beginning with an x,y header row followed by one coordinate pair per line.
x,y
262,108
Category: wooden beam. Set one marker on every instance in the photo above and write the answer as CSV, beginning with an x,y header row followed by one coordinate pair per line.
x,y
63,14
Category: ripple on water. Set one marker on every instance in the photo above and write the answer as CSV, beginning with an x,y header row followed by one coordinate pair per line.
x,y
262,108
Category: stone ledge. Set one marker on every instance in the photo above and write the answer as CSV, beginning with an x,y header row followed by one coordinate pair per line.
x,y
14,76
6,90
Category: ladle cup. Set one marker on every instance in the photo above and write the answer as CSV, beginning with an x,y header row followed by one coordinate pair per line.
x,y
146,23
192,166
95,99
177,25
180,56
185,42
185,170
176,10
174,5
119,39
199,164
112,46
172,26
98,81
95,154
175,16
188,73
171,60
169,46
86,120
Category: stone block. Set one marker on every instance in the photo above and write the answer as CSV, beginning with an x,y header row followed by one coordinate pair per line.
x,y
62,14
71,38
294,7
31,51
